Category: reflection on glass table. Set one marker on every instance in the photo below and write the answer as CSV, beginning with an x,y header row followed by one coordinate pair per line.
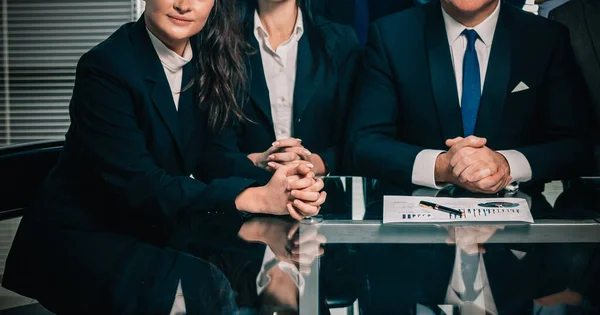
x,y
263,265
548,267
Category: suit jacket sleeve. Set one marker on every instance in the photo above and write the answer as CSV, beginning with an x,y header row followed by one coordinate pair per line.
x,y
372,148
225,159
567,152
102,110
349,55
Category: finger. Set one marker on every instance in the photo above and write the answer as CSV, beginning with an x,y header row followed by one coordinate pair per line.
x,y
476,172
501,185
306,235
306,169
485,184
293,229
300,151
317,186
274,166
462,165
470,141
308,259
272,149
320,201
283,157
300,184
293,213
312,247
305,209
285,143
308,196
289,170
452,142
461,155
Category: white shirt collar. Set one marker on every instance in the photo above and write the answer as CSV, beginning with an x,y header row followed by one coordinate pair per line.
x,y
485,29
259,29
170,59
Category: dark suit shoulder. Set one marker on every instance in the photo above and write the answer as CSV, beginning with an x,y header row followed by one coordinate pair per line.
x,y
113,55
565,10
340,39
530,23
537,31
402,22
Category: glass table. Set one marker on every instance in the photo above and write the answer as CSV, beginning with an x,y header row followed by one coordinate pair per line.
x,y
352,263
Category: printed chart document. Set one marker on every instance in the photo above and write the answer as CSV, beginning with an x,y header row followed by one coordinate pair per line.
x,y
411,209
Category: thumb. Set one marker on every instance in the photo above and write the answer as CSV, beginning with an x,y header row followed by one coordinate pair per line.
x,y
289,170
304,168
272,149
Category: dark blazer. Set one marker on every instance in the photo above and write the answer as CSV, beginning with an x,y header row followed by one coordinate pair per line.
x,y
407,99
582,18
401,275
322,93
127,160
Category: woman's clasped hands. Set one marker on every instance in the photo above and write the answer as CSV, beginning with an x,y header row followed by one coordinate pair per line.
x,y
293,189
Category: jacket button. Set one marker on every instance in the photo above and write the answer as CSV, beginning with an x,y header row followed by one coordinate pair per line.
x,y
299,120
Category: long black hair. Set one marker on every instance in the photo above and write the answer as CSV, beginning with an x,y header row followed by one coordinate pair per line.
x,y
221,79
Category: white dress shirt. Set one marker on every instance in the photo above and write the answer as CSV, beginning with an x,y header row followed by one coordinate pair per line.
x,y
424,167
173,65
280,74
484,303
279,66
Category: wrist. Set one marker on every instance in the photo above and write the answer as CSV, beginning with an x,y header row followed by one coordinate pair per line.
x,y
252,231
251,200
503,162
441,171
254,158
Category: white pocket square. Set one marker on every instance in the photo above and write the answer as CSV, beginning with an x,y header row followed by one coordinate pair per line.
x,y
520,87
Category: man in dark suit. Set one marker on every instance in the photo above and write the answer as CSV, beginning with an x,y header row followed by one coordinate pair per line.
x,y
455,109
582,17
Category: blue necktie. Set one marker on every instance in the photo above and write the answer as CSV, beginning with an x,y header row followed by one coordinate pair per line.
x,y
471,92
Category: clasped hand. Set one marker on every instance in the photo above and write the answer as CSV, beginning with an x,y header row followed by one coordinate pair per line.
x,y
470,164
293,189
285,152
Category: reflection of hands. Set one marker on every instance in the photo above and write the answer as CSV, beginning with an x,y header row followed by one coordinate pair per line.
x,y
473,166
284,239
471,238
567,297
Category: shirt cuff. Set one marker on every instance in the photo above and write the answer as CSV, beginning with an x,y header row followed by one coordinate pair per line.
x,y
424,169
520,170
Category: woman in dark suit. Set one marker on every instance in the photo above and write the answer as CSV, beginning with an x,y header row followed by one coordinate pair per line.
x,y
301,73
138,131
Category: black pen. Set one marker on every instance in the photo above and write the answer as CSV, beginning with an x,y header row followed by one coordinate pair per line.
x,y
435,206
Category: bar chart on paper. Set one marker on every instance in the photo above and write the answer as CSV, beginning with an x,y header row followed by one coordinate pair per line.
x,y
398,209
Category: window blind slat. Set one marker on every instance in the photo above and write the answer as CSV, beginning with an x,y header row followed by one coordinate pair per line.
x,y
40,44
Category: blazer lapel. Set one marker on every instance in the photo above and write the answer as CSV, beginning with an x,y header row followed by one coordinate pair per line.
x,y
593,25
259,91
443,81
495,86
308,74
160,91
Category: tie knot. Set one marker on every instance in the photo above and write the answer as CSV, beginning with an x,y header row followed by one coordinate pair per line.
x,y
471,35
